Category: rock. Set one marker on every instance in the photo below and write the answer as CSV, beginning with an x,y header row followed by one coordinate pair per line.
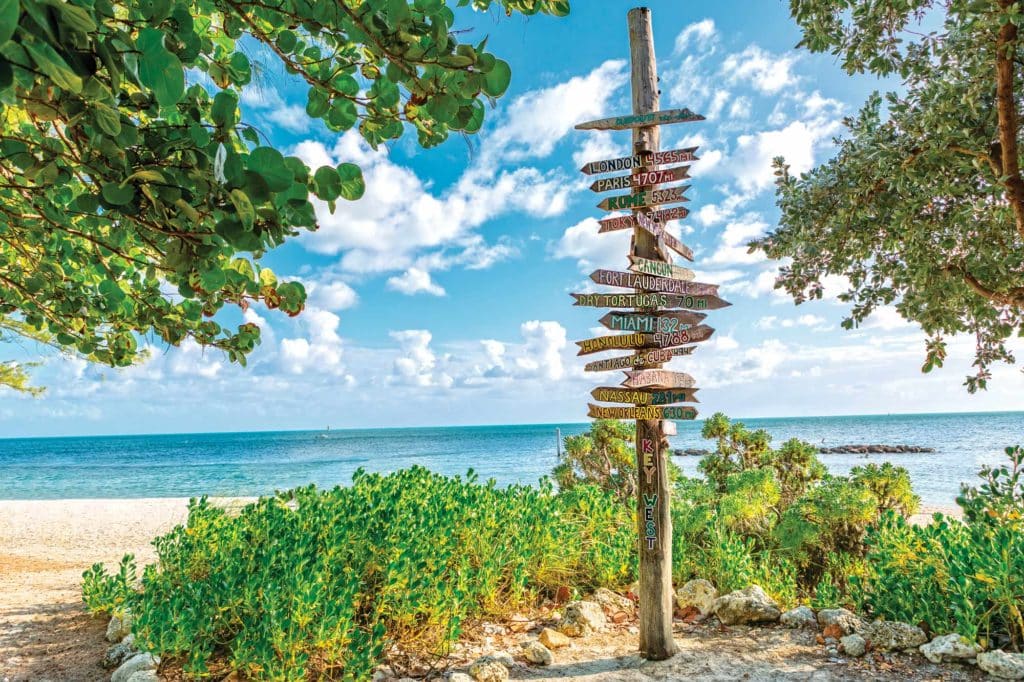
x,y
535,652
846,620
143,661
119,627
892,635
487,669
950,648
144,676
1002,665
800,617
853,645
699,593
749,605
562,594
119,653
553,639
459,677
832,631
581,618
611,602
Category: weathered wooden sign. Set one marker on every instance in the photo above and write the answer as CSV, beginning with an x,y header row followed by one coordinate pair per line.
x,y
663,237
656,300
652,197
624,222
655,340
655,118
665,321
632,280
655,356
645,412
636,396
657,378
643,178
660,268
640,161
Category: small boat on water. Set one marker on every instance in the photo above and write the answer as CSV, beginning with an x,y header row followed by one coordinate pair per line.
x,y
325,434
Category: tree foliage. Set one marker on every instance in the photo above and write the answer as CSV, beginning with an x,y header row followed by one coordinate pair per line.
x,y
922,206
133,198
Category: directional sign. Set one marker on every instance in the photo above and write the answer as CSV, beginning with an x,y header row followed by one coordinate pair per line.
x,y
649,301
651,197
632,280
660,268
640,161
619,341
642,120
644,178
645,397
651,322
656,356
658,231
662,216
646,412
657,378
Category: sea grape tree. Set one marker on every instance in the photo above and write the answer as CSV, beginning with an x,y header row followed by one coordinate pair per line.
x,y
922,206
133,198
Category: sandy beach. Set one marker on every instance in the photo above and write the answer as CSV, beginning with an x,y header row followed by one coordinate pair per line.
x,y
45,633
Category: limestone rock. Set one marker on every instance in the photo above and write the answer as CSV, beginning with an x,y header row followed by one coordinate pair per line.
x,y
1002,665
119,627
749,605
119,653
553,639
459,677
950,648
612,602
846,620
581,618
144,676
143,661
892,635
535,652
699,594
800,617
853,645
487,669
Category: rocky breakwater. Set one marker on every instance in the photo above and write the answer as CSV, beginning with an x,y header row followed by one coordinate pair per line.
x,y
874,449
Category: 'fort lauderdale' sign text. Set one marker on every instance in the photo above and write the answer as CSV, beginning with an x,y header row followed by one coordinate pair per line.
x,y
632,280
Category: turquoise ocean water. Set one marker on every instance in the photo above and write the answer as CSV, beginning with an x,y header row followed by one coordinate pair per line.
x,y
244,464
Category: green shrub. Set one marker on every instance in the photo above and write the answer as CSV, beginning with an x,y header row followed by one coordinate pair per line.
x,y
954,576
320,583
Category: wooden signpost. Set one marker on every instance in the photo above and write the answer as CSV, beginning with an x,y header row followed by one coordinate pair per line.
x,y
661,322
644,178
638,160
644,198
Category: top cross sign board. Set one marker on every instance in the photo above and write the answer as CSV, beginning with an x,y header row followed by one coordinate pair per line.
x,y
642,120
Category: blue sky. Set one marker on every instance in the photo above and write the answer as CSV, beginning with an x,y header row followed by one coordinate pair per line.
x,y
442,296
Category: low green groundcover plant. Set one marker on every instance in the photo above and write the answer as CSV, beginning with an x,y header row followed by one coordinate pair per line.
x,y
954,576
320,583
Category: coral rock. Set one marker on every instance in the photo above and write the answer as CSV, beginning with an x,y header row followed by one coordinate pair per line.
x,y
581,618
1002,665
699,593
119,627
952,647
891,635
535,652
143,661
749,605
846,620
553,639
853,645
612,602
800,617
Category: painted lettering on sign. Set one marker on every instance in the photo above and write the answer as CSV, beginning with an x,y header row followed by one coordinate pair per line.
x,y
627,322
641,199
660,268
642,120
633,396
649,301
650,528
644,178
632,280
601,343
647,459
623,222
640,160
655,356
657,378
678,338
641,412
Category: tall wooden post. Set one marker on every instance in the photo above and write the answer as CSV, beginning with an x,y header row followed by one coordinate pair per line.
x,y
653,504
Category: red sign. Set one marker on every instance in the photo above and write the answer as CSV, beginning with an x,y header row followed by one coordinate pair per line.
x,y
657,378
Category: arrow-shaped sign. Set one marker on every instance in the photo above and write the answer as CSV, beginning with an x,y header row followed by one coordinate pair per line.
x,y
643,178
642,120
665,322
655,356
632,280
656,340
640,160
643,199
644,396
649,301
646,412
618,341
660,268
662,216
657,378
